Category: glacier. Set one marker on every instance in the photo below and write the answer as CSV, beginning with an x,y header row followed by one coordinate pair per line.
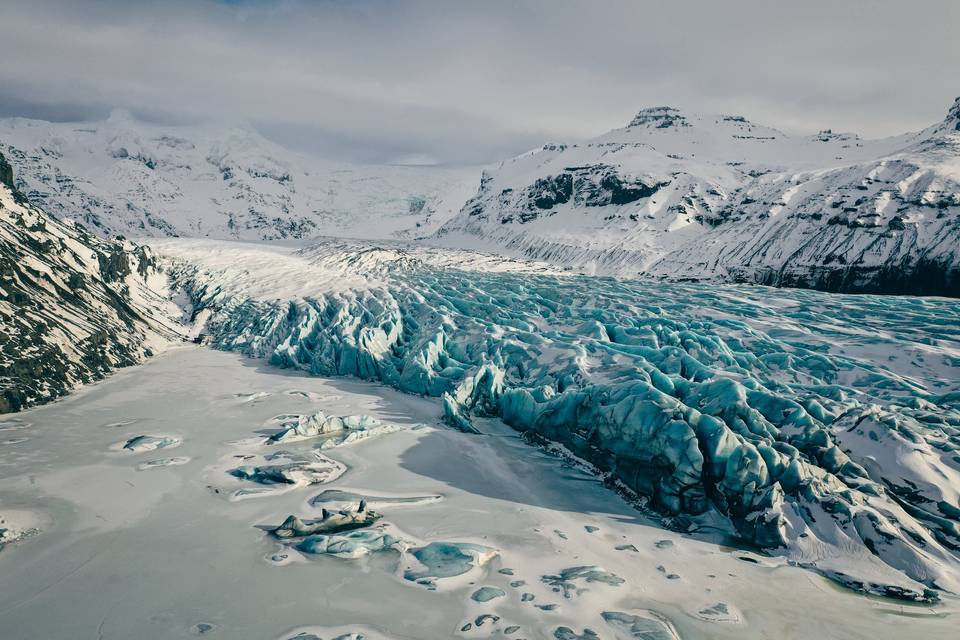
x,y
818,427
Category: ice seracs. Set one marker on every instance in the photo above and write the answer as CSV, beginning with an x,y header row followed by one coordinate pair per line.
x,y
706,401
336,430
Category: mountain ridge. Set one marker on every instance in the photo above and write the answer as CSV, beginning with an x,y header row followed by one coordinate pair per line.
x,y
122,176
73,307
678,195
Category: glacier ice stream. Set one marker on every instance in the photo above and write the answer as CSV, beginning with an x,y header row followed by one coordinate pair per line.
x,y
821,428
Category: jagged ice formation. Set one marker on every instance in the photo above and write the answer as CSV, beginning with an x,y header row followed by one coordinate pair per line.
x,y
823,429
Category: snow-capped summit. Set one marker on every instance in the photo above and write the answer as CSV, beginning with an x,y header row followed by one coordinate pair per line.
x,y
659,117
694,196
124,176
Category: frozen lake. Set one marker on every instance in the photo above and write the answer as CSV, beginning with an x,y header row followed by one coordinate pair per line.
x,y
165,550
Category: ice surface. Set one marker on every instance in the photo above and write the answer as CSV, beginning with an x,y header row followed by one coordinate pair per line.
x,y
176,555
140,444
438,562
352,544
329,522
337,430
754,405
646,625
486,594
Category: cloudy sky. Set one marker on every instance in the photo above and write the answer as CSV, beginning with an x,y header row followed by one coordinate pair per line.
x,y
472,82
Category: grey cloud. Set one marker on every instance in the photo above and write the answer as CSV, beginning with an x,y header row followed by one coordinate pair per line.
x,y
377,80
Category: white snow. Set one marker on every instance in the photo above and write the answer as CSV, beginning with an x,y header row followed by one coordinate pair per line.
x,y
125,176
123,553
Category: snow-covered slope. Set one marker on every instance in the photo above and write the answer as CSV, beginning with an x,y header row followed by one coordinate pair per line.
x,y
72,306
124,176
823,428
680,195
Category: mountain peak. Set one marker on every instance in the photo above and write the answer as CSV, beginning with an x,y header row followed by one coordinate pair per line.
x,y
659,118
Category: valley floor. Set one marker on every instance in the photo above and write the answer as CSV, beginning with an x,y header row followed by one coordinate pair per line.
x,y
169,550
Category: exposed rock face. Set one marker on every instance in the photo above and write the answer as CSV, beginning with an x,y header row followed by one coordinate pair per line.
x,y
72,306
659,117
6,173
692,197
598,185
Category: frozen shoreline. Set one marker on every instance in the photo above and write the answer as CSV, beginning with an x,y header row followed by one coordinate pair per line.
x,y
158,553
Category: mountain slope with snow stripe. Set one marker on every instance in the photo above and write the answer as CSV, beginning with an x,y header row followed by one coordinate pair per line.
x,y
73,307
123,176
685,196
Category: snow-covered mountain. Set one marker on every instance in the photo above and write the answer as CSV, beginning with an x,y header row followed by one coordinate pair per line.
x,y
123,176
72,306
672,195
688,196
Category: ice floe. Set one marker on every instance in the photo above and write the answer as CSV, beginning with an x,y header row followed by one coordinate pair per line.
x,y
640,625
351,544
285,470
446,564
142,444
719,612
486,594
570,581
340,498
335,430
329,522
354,632
160,463
17,525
